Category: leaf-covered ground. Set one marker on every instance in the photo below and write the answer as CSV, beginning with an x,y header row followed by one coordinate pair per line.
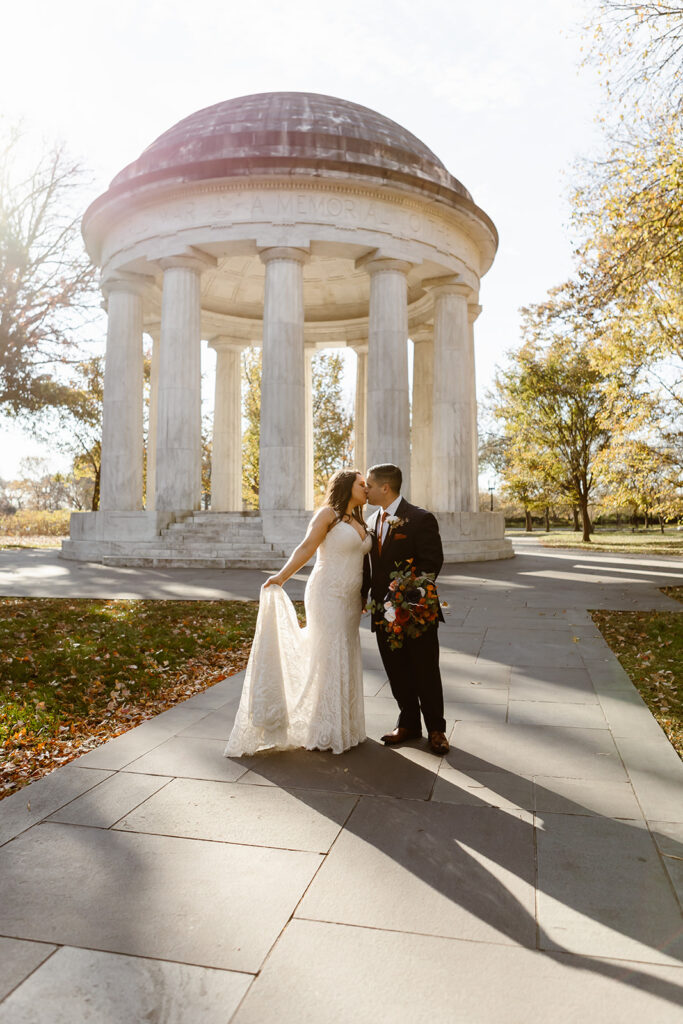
x,y
75,673
650,647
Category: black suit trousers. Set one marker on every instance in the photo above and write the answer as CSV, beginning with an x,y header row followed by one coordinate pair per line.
x,y
415,680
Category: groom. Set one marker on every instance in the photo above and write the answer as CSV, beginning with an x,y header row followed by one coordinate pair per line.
x,y
401,531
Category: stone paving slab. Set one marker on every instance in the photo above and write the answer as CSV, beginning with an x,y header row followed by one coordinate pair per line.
x,y
249,815
553,713
207,903
370,975
188,757
585,796
565,685
23,809
109,801
668,837
603,890
369,769
18,959
86,985
436,869
536,750
493,789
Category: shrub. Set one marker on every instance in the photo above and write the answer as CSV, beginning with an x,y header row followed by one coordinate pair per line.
x,y
30,522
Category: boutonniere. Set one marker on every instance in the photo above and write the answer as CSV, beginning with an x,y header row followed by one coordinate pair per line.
x,y
394,522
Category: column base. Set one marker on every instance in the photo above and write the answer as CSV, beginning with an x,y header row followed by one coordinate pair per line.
x,y
473,536
284,527
93,535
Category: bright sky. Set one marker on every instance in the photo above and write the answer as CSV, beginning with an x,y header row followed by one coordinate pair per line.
x,y
494,89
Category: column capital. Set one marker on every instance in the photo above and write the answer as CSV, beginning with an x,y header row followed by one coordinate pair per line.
x,y
124,281
451,284
188,259
360,347
473,311
284,252
224,342
421,333
373,263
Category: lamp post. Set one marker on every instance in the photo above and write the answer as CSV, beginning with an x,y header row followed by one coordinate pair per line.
x,y
491,493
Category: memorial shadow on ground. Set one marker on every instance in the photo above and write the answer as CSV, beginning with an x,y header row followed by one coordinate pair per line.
x,y
446,846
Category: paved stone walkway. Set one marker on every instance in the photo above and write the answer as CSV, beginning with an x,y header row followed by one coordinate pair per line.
x,y
534,874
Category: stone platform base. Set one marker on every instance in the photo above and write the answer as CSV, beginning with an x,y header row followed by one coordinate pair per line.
x,y
474,536
243,540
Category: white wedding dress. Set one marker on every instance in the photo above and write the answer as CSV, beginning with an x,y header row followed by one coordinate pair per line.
x,y
304,687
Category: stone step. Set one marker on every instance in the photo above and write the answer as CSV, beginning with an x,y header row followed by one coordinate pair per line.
x,y
222,517
217,521
217,549
164,562
219,535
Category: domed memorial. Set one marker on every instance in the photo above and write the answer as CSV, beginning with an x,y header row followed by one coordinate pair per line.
x,y
296,222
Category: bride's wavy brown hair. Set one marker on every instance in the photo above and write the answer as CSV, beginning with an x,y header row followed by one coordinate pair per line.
x,y
338,495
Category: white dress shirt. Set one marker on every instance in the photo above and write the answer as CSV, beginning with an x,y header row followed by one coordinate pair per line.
x,y
391,511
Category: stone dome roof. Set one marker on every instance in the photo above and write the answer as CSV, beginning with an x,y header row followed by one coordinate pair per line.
x,y
292,133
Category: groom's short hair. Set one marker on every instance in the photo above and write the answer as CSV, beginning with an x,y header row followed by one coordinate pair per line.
x,y
387,473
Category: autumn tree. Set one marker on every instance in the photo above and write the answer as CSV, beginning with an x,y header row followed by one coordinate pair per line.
x,y
332,422
639,48
46,279
251,416
549,402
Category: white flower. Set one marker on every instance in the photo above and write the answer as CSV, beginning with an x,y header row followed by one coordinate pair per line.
x,y
392,520
390,614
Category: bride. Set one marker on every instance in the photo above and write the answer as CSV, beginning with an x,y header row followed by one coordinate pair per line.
x,y
304,687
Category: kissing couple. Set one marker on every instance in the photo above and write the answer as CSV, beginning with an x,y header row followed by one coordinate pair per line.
x,y
304,687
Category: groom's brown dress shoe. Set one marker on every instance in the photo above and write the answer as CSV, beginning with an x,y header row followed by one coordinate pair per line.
x,y
400,735
438,743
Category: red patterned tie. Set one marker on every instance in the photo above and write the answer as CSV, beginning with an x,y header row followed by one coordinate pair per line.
x,y
385,516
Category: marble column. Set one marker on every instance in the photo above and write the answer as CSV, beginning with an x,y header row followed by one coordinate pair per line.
x,y
122,438
150,490
226,449
282,458
451,442
179,434
388,409
309,355
360,416
473,311
422,427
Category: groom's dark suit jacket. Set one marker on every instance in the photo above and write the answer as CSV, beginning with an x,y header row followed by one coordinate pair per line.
x,y
416,537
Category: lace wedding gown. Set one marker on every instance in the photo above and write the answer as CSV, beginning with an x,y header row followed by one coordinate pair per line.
x,y
304,687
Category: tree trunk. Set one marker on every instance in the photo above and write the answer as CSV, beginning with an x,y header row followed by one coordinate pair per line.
x,y
575,513
529,523
647,519
661,523
585,521
547,519
96,491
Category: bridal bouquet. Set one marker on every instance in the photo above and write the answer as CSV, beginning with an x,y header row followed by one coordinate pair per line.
x,y
410,606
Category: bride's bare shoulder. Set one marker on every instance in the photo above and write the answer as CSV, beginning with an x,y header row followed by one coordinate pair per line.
x,y
325,514
322,521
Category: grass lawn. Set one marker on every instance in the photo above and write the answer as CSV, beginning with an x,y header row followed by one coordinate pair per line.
x,y
652,542
12,541
75,673
650,647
